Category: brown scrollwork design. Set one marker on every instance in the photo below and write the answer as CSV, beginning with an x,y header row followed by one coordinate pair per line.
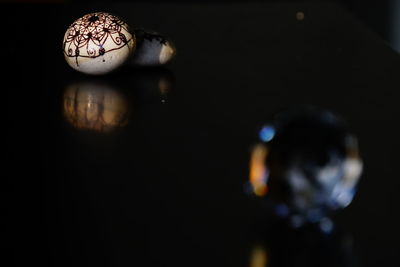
x,y
91,33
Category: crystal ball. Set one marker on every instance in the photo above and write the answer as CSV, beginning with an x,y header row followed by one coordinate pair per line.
x,y
306,166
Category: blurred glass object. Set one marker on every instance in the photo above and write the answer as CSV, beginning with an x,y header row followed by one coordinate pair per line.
x,y
95,106
308,168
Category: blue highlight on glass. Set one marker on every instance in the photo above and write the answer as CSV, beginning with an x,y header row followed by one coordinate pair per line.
x,y
267,133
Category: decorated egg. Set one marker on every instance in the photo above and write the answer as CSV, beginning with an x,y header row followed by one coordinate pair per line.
x,y
153,49
98,43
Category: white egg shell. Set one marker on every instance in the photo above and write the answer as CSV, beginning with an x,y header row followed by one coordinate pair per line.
x,y
152,49
98,43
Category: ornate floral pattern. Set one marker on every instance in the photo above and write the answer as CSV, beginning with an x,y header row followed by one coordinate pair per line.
x,y
87,36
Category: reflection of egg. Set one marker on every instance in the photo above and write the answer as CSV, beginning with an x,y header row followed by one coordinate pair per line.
x,y
95,106
98,43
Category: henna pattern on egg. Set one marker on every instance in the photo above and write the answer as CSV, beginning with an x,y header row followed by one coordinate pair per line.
x,y
94,28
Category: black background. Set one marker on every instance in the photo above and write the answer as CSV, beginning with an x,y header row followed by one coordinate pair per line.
x,y
167,189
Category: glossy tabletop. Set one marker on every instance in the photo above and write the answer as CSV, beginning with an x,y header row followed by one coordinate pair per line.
x,y
162,183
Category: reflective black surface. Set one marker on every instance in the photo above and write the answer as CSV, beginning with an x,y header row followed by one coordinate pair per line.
x,y
166,187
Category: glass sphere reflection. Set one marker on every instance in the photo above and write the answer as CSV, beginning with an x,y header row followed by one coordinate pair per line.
x,y
95,106
307,166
